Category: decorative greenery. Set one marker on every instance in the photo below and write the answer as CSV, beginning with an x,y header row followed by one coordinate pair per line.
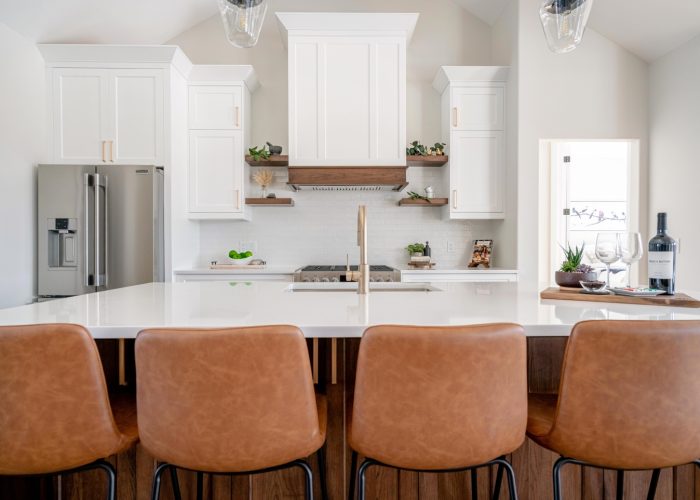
x,y
437,149
415,248
415,196
416,149
263,178
242,255
572,262
258,154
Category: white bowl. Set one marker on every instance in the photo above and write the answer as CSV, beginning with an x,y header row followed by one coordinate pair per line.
x,y
241,262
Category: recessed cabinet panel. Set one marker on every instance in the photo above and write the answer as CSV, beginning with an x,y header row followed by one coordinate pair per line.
x,y
138,120
215,107
476,173
389,133
346,94
303,104
477,108
216,171
80,113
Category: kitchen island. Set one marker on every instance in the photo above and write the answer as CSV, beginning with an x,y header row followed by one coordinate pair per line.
x,y
333,320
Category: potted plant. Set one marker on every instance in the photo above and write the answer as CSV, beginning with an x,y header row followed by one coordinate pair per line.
x,y
438,149
572,271
416,249
417,149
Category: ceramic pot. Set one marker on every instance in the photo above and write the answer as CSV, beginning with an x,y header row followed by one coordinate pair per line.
x,y
572,279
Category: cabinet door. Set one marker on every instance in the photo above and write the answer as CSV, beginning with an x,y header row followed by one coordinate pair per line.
x,y
216,172
477,175
80,109
215,107
477,108
137,119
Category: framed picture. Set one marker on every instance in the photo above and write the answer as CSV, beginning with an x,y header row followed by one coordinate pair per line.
x,y
481,253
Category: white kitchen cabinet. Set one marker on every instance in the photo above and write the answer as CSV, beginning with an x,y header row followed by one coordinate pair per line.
x,y
215,107
459,276
473,126
347,88
104,115
216,174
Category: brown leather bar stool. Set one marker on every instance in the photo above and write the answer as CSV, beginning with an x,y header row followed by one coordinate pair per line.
x,y
629,399
230,401
55,413
439,399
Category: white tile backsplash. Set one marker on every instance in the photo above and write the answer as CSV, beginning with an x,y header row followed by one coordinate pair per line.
x,y
321,227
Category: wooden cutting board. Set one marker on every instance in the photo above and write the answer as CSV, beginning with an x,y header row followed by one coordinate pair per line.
x,y
677,300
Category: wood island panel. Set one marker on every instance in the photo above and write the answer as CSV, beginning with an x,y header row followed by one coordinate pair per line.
x,y
532,463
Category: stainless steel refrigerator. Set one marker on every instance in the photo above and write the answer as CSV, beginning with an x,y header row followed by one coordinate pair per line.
x,y
100,227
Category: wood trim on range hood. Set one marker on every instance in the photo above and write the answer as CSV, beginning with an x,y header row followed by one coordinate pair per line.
x,y
348,178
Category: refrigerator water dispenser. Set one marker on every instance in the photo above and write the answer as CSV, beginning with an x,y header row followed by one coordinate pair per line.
x,y
63,242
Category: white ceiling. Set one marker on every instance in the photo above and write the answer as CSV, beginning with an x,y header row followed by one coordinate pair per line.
x,y
648,28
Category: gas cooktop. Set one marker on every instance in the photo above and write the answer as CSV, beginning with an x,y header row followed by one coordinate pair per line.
x,y
333,274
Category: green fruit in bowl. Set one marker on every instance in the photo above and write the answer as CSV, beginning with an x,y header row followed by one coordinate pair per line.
x,y
243,255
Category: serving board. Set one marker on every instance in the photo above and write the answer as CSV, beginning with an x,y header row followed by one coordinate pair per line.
x,y
677,300
236,266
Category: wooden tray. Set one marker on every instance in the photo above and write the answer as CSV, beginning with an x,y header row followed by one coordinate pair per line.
x,y
235,266
677,300
422,265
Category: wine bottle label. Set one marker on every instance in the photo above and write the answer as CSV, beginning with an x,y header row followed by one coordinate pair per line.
x,y
661,265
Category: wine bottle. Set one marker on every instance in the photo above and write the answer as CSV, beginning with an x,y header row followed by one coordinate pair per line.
x,y
662,258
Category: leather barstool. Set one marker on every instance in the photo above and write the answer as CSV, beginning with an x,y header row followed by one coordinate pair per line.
x,y
629,399
229,401
55,413
439,399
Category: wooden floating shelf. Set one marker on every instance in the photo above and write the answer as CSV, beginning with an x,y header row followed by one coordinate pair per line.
x,y
426,161
435,202
272,161
270,202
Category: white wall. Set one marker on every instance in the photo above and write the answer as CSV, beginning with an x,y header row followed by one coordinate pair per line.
x,y
674,169
598,91
22,144
321,227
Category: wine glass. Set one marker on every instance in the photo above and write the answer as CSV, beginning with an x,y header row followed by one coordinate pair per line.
x,y
607,250
631,250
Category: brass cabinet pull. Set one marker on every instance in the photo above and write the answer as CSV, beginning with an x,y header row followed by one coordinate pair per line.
x,y
454,198
455,117
104,143
111,151
238,116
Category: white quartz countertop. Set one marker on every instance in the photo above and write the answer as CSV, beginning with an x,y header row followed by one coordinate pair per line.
x,y
123,312
264,270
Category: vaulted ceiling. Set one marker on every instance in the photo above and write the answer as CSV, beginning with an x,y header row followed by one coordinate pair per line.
x,y
648,28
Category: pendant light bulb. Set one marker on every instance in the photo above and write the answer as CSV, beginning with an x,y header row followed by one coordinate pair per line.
x,y
564,22
243,20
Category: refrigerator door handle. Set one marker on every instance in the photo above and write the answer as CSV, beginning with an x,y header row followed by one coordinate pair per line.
x,y
100,184
105,228
88,182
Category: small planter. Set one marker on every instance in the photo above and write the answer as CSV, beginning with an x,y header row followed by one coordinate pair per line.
x,y
571,280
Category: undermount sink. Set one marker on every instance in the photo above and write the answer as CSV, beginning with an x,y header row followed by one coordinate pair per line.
x,y
352,287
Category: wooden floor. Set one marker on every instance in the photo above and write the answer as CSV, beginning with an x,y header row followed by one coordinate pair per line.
x,y
532,463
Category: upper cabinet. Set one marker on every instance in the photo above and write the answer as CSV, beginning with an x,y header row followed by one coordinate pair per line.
x,y
473,126
219,135
107,115
347,87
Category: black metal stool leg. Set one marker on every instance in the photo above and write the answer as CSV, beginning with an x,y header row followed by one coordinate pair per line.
x,y
308,477
200,485
620,490
474,484
510,474
111,478
653,484
155,490
361,478
321,456
353,471
176,483
556,476
497,486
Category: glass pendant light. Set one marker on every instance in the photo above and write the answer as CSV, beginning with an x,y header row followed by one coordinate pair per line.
x,y
564,22
243,20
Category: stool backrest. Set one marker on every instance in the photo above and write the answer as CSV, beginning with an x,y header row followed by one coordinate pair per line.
x,y
54,406
228,400
440,397
630,394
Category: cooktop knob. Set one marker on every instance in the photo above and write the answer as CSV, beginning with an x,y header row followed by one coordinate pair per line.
x,y
334,279
316,280
324,280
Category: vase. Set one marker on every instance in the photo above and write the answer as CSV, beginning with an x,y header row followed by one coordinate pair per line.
x,y
571,280
263,191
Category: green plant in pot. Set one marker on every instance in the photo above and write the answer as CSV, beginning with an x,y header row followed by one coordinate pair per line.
x,y
572,271
415,249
